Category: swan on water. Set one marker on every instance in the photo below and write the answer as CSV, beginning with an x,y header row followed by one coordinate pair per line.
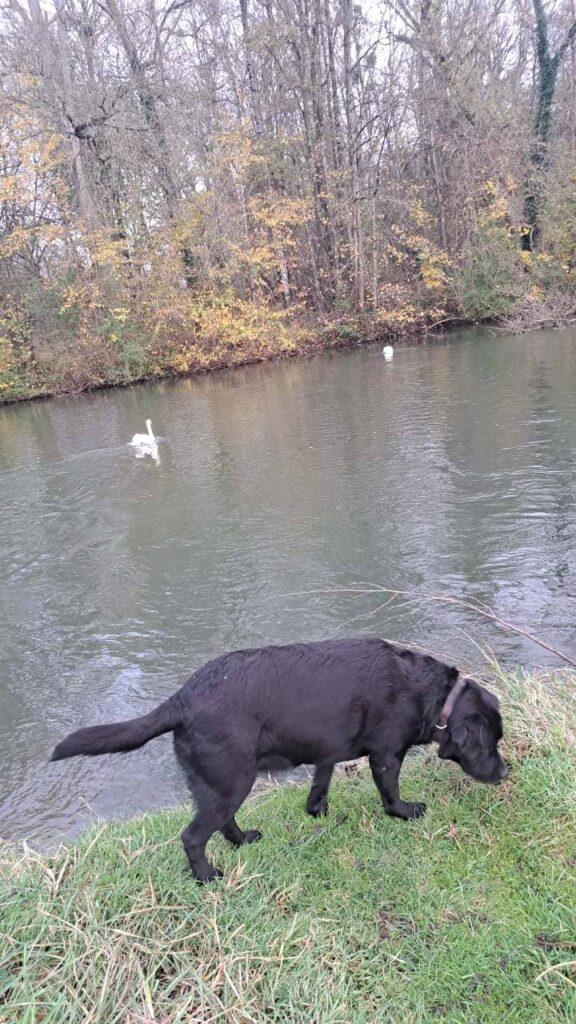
x,y
145,440
388,352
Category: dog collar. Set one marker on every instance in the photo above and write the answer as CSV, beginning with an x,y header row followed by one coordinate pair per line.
x,y
448,708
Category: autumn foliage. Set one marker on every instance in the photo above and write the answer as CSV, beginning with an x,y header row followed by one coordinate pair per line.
x,y
184,187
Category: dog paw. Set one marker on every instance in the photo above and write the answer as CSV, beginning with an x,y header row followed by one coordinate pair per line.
x,y
406,811
210,876
416,810
252,835
319,808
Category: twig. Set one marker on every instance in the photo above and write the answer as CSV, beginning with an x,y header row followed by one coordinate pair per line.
x,y
548,943
447,320
555,969
477,607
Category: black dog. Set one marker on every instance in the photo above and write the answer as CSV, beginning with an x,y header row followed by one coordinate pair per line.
x,y
314,703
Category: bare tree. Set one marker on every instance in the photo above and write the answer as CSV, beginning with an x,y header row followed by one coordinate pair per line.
x,y
297,156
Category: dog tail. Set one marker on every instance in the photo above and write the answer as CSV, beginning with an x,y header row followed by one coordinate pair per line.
x,y
120,736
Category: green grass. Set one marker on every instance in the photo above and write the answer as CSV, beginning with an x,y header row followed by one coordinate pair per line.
x,y
466,915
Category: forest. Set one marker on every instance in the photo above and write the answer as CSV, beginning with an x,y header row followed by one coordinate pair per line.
x,y
190,185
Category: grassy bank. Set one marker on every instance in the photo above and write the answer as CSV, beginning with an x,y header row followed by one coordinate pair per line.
x,y
464,916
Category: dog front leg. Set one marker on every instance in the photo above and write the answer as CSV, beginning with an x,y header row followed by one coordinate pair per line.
x,y
385,771
317,803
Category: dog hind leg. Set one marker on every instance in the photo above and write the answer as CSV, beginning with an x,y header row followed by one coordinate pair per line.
x,y
215,810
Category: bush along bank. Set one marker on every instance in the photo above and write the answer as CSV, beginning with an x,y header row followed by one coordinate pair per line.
x,y
115,316
122,347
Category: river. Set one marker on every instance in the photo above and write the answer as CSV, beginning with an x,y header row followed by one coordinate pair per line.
x,y
449,470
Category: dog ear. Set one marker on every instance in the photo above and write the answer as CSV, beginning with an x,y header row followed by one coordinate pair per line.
x,y
491,700
468,732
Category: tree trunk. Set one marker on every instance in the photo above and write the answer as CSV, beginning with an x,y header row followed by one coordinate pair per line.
x,y
254,98
548,65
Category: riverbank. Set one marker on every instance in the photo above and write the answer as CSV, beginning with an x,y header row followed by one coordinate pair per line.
x,y
125,351
464,916
63,344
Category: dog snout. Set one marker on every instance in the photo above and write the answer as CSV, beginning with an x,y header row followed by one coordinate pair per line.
x,y
503,771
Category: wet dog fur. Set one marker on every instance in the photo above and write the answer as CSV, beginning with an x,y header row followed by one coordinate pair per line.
x,y
310,703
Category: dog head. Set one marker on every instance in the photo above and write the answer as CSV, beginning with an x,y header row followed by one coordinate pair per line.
x,y
472,733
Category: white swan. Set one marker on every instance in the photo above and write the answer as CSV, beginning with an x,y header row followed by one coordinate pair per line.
x,y
388,352
145,440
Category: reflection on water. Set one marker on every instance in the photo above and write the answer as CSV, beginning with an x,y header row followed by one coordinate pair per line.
x,y
450,469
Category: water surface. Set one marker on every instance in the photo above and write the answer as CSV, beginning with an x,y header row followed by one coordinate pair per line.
x,y
449,470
